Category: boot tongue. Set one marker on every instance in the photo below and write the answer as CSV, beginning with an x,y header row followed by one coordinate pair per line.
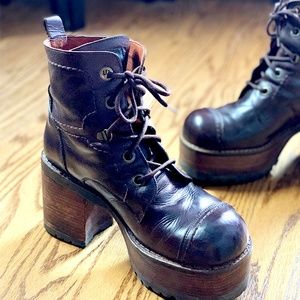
x,y
288,23
135,55
291,43
135,58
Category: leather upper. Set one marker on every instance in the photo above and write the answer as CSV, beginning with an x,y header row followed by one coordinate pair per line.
x,y
262,113
168,213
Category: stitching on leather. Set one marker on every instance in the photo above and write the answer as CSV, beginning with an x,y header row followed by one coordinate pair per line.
x,y
163,259
65,67
61,150
199,221
90,113
184,239
182,247
219,125
94,97
58,122
83,139
212,269
95,106
65,125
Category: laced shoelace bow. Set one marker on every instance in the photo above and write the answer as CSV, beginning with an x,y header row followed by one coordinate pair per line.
x,y
280,13
134,85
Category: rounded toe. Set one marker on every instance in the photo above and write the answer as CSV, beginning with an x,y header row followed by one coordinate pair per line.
x,y
220,237
200,129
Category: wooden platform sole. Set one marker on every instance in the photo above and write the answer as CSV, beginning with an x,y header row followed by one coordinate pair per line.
x,y
74,213
231,166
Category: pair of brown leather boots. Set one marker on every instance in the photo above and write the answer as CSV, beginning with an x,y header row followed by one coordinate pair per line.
x,y
102,158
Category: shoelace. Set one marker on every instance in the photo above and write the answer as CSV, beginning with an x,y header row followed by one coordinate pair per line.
x,y
281,13
134,86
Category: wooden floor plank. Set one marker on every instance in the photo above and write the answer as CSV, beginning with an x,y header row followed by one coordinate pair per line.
x,y
205,51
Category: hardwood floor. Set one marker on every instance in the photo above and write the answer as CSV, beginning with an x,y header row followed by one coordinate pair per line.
x,y
204,51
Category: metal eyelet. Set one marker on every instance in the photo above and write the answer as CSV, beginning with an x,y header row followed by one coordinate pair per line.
x,y
295,32
129,157
104,73
265,91
107,103
138,180
278,72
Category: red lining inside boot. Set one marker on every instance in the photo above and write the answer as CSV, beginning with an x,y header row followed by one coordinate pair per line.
x,y
73,42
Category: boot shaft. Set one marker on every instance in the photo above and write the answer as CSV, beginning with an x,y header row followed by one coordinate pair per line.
x,y
85,103
78,66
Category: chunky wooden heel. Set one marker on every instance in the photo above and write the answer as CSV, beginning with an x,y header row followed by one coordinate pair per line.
x,y
69,217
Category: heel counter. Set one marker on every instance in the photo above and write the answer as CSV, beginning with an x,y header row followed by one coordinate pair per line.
x,y
53,144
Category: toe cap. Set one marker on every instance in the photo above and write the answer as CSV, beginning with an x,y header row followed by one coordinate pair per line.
x,y
219,237
200,129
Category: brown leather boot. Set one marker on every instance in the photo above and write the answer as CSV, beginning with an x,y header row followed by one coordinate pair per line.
x,y
102,159
241,141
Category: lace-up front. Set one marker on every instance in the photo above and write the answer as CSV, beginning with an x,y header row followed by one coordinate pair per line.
x,y
134,86
284,10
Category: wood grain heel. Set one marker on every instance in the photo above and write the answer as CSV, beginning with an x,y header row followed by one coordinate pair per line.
x,y
69,217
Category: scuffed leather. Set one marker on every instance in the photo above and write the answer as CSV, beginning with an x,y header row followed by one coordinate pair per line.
x,y
169,215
